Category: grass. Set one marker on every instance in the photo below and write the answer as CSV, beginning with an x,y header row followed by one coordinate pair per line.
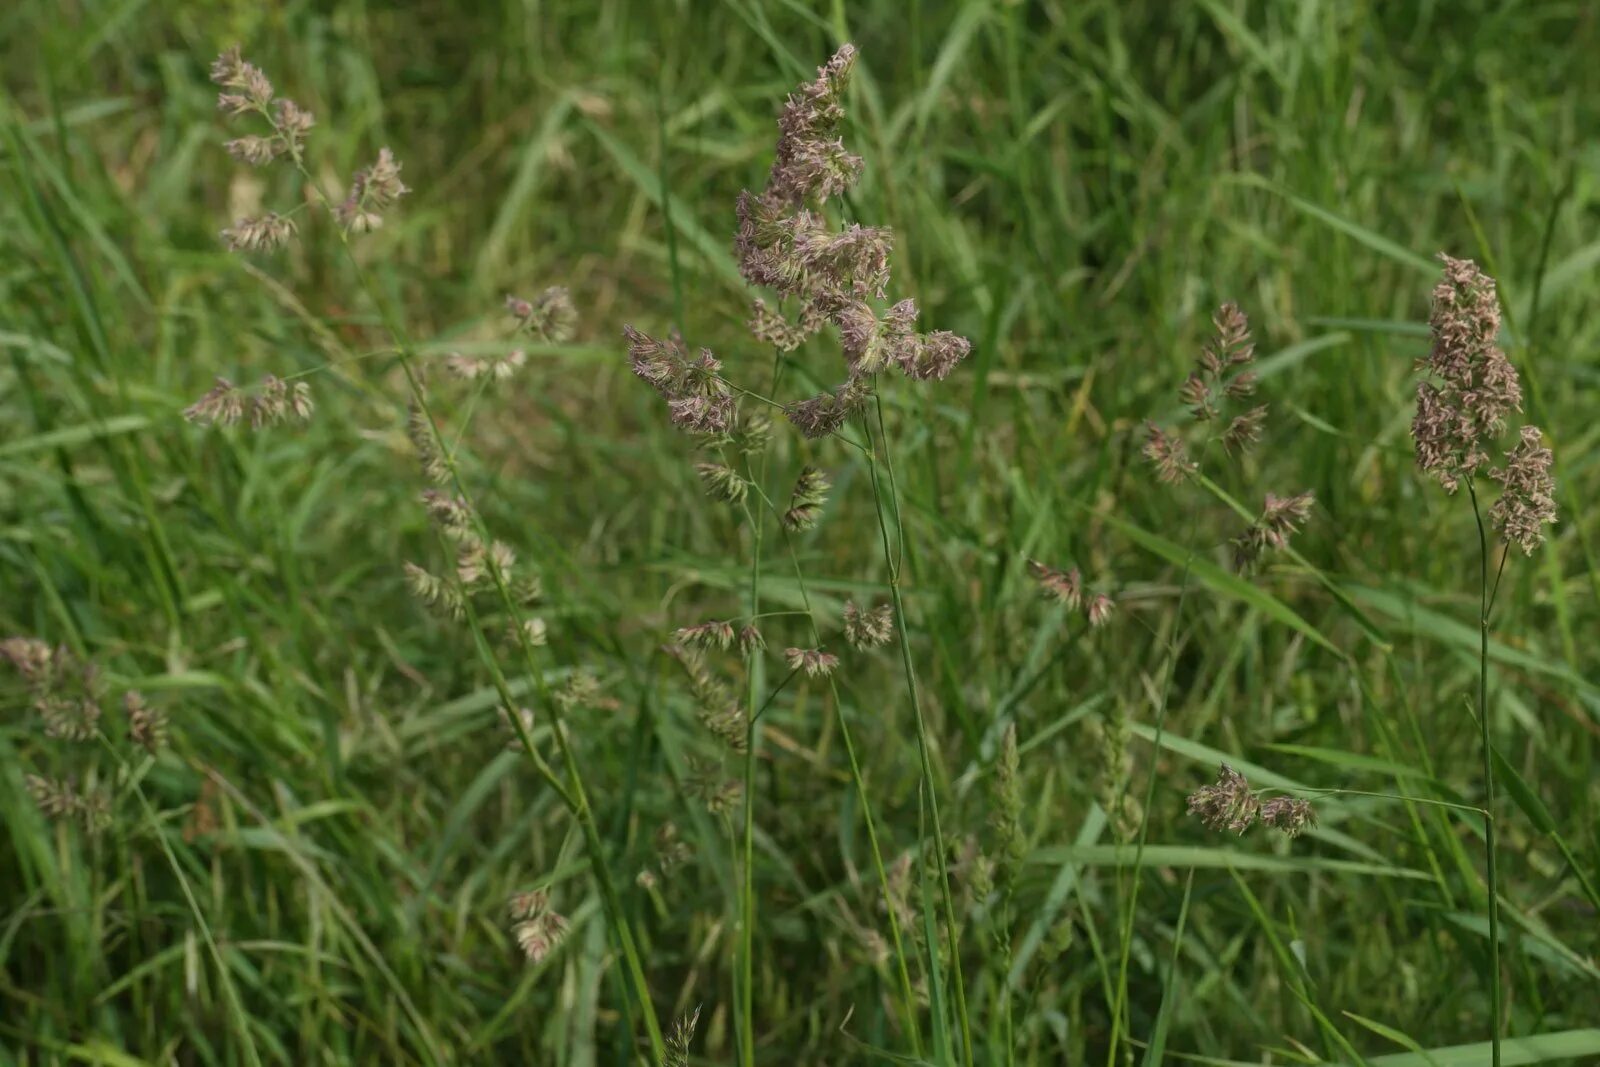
x,y
316,869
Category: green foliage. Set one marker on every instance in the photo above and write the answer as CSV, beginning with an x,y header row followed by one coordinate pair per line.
x,y
316,867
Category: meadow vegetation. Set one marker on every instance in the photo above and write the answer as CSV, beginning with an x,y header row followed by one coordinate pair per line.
x,y
687,533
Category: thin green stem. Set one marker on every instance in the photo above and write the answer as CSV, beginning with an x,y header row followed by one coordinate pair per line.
x,y
747,930
1170,667
923,753
576,796
908,994
1496,994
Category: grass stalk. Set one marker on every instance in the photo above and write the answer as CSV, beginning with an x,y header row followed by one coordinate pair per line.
x,y
1496,993
929,782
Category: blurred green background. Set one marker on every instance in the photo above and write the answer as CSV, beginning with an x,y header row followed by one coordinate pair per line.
x,y
1074,186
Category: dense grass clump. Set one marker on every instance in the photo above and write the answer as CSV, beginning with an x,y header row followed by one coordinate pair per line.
x,y
571,535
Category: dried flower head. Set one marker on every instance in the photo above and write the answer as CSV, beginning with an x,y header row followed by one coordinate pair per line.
x,y
550,316
256,151
750,640
147,726
806,500
69,718
1473,387
870,628
374,189
537,928
1527,493
1168,454
1244,430
266,233
785,244
813,661
698,400
1063,586
1281,518
1099,609
271,402
430,456
56,799
1226,805
825,413
230,71
1291,815
32,658
436,592
712,634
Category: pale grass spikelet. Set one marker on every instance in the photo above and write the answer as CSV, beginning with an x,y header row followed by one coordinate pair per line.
x,y
1281,518
534,631
715,707
493,368
435,591
265,233
750,640
254,150
1168,454
147,726
430,457
681,1037
868,628
1063,586
32,658
1228,804
59,800
1244,430
221,405
698,400
539,929
1196,392
772,328
271,402
450,512
69,718
230,71
1472,387
813,661
807,499
1099,609
478,564
825,413
1527,493
1290,815
55,799
710,634
276,401
293,124
722,482
550,316
374,190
